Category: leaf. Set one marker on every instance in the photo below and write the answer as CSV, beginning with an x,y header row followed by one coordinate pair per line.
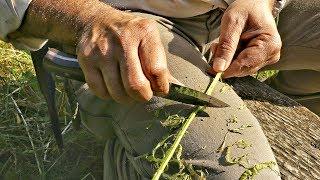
x,y
242,144
232,120
173,121
241,128
223,144
256,169
230,160
196,174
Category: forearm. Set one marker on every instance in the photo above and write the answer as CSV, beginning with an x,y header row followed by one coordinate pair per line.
x,y
61,21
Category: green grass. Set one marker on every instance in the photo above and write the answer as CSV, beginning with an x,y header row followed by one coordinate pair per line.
x,y
82,155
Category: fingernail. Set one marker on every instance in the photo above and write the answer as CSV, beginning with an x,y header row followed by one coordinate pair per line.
x,y
219,64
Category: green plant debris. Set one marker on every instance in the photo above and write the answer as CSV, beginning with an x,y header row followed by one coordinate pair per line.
x,y
182,131
203,147
263,75
187,91
225,88
249,173
230,160
177,176
242,144
178,168
242,107
173,121
240,129
232,120
196,174
159,150
188,173
223,144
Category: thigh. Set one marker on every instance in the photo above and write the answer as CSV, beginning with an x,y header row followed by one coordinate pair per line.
x,y
138,127
299,27
306,93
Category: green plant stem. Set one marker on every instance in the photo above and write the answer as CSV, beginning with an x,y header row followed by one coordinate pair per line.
x,y
183,130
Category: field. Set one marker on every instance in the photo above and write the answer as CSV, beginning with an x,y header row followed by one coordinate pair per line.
x,y
19,159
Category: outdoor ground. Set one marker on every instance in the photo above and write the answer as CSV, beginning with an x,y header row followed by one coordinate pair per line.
x,y
82,155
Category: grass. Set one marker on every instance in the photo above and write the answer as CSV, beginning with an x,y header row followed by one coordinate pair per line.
x,y
82,156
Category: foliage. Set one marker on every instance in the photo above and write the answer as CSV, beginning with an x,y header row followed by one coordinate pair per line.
x,y
255,170
82,156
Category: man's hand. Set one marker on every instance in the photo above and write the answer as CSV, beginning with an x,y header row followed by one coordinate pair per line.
x,y
249,39
122,57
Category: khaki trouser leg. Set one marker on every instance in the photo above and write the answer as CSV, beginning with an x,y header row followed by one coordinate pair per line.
x,y
137,127
299,28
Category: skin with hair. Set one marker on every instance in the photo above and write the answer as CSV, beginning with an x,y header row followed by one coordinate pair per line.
x,y
249,39
122,56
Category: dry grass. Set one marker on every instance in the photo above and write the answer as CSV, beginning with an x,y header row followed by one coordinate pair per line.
x,y
82,156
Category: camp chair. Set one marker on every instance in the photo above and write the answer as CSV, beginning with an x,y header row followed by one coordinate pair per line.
x,y
47,86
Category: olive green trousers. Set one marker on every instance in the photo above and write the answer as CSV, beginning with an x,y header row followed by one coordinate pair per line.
x,y
133,131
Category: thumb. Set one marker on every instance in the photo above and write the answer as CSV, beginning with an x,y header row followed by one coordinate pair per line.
x,y
231,29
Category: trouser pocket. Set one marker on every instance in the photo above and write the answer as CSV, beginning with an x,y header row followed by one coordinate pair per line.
x,y
101,127
95,112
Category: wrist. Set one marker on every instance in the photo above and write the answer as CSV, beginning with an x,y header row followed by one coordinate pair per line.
x,y
61,21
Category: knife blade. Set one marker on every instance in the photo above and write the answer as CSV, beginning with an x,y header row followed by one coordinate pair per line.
x,y
67,66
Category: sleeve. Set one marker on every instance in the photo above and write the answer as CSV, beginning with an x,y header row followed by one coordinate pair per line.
x,y
11,16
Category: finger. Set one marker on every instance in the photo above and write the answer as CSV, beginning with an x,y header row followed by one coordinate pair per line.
x,y
154,63
112,78
92,74
247,60
259,52
232,25
274,59
213,49
94,79
134,81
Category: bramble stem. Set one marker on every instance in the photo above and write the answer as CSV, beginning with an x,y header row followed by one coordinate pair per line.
x,y
183,130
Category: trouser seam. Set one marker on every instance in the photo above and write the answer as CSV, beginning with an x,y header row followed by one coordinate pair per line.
x,y
178,31
94,115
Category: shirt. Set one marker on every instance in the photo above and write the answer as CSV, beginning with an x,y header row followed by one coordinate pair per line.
x,y
12,12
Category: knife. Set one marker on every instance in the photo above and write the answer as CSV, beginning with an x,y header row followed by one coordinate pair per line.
x,y
66,65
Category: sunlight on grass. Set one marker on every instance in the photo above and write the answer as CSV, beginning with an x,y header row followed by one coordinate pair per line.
x,y
82,155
